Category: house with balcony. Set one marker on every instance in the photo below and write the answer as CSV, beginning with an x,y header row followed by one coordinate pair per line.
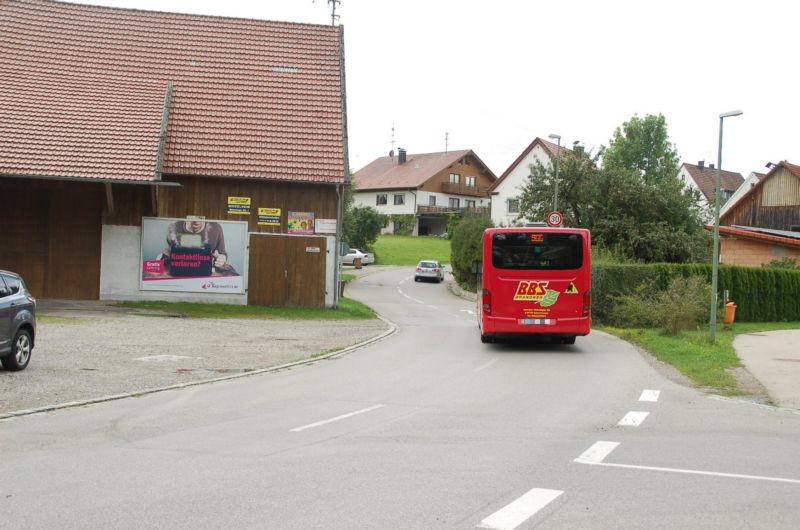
x,y
428,186
506,189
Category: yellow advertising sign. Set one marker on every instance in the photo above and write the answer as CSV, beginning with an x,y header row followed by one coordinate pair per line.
x,y
239,205
269,216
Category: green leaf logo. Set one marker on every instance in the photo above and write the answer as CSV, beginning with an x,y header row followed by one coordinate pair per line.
x,y
549,298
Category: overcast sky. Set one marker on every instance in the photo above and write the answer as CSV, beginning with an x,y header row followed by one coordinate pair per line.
x,y
495,74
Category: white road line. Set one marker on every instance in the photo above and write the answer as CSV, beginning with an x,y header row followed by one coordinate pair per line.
x,y
691,472
486,365
337,418
520,510
597,453
650,395
469,311
633,419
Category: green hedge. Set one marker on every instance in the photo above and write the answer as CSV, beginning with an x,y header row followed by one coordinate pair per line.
x,y
761,294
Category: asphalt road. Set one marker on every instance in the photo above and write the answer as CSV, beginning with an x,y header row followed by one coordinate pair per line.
x,y
427,428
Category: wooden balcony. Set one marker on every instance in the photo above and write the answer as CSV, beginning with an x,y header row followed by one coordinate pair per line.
x,y
444,210
461,189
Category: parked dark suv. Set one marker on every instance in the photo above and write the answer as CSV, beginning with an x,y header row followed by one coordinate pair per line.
x,y
17,322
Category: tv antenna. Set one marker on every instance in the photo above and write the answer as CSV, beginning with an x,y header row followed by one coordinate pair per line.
x,y
334,16
446,138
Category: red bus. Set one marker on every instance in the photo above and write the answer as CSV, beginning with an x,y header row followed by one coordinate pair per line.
x,y
535,281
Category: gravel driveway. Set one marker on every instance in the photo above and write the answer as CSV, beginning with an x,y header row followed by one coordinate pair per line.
x,y
90,350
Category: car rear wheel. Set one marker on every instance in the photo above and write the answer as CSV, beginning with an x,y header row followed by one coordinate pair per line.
x,y
20,354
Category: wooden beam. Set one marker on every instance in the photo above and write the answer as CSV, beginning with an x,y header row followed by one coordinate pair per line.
x,y
162,137
109,198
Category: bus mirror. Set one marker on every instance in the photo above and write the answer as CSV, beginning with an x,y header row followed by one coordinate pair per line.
x,y
477,266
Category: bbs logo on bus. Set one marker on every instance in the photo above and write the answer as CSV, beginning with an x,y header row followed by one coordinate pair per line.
x,y
528,290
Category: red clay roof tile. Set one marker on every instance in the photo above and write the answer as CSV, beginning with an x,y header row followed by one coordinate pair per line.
x,y
706,179
251,98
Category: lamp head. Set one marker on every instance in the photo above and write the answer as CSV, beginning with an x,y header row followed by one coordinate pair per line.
x,y
554,136
731,113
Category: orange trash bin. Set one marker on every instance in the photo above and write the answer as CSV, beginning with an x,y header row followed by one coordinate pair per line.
x,y
730,312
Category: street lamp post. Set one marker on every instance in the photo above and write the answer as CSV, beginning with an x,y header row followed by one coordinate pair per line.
x,y
715,259
558,157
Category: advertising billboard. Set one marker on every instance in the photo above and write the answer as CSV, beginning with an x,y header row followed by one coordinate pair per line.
x,y
193,255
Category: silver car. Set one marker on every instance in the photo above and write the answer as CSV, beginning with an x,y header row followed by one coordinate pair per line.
x,y
429,269
17,322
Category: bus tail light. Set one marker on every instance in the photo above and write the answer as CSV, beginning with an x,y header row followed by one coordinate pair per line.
x,y
486,302
587,303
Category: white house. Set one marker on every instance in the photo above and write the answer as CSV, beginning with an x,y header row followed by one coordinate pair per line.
x,y
506,190
429,186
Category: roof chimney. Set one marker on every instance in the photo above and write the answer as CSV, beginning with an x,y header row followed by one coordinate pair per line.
x,y
701,164
711,166
401,156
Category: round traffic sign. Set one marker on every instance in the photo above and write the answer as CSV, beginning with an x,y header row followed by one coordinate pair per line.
x,y
555,219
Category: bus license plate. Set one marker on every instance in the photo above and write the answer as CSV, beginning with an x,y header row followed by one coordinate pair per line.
x,y
539,321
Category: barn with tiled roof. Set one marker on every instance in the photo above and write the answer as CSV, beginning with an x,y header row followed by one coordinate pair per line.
x,y
111,116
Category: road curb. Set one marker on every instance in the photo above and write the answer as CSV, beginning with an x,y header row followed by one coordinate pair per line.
x,y
312,359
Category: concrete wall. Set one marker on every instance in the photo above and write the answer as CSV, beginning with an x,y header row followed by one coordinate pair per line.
x,y
120,260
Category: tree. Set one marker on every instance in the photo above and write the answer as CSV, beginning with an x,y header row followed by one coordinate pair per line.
x,y
362,225
641,209
642,144
575,177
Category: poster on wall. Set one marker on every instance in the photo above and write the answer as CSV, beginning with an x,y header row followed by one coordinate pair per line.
x,y
325,226
193,255
301,222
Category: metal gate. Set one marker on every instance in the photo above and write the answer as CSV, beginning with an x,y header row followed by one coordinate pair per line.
x,y
287,271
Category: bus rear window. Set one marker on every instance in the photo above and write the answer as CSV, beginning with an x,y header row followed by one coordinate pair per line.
x,y
537,250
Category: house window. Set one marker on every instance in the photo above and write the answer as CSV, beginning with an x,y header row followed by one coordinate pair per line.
x,y
469,203
471,182
455,178
454,203
399,198
380,199
513,205
431,200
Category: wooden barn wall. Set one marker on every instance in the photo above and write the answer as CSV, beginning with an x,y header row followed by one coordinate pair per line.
x,y
471,168
51,236
52,230
209,197
775,205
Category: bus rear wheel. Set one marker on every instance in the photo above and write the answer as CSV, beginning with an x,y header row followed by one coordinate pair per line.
x,y
487,339
570,339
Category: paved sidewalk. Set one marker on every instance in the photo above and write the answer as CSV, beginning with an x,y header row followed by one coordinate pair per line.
x,y
773,357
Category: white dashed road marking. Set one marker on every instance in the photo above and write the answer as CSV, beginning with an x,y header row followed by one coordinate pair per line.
x,y
633,419
597,453
650,395
337,418
520,510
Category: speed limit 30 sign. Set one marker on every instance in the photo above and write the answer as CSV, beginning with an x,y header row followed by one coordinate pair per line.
x,y
555,219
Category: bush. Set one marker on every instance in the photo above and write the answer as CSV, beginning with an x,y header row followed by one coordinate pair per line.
x,y
682,306
465,247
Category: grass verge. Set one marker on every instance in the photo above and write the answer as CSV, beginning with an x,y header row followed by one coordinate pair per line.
x,y
348,310
409,250
708,365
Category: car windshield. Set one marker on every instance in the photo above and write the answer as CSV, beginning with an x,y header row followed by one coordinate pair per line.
x,y
428,264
